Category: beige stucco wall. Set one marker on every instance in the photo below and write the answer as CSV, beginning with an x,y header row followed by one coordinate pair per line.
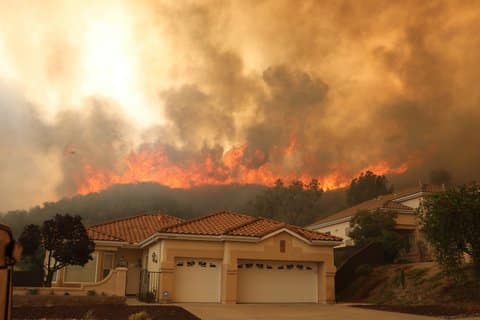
x,y
151,264
230,252
340,230
113,285
131,257
406,221
412,203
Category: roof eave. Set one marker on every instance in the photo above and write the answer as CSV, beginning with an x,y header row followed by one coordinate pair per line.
x,y
327,243
111,243
328,223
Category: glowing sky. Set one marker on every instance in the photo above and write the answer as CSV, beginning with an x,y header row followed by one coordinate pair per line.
x,y
390,85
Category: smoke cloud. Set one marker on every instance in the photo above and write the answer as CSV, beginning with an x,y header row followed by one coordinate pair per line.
x,y
234,91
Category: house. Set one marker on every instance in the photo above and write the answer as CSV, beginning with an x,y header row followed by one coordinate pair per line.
x,y
222,257
404,202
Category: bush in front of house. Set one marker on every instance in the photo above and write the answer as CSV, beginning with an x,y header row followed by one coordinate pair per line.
x,y
91,293
88,315
377,227
450,222
142,315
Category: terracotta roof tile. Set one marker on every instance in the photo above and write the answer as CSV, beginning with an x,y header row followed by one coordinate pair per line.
x,y
133,229
213,224
314,235
235,224
256,228
392,205
96,235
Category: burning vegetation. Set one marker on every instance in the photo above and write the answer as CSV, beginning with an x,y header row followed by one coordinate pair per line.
x,y
206,92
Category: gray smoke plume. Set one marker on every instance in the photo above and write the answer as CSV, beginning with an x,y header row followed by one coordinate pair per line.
x,y
309,88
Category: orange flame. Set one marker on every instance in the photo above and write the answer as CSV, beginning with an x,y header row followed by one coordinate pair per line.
x,y
155,166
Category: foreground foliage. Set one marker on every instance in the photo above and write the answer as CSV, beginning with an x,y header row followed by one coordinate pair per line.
x,y
296,203
450,221
377,227
367,186
63,240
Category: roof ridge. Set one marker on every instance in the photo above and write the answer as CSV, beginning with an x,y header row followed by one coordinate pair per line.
x,y
150,213
202,218
254,219
312,231
276,228
399,204
108,235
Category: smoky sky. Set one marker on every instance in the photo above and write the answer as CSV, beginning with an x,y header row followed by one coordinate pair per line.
x,y
345,84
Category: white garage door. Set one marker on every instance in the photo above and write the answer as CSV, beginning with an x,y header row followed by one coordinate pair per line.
x,y
277,282
197,280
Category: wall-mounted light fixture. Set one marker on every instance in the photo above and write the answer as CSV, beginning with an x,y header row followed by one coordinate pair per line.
x,y
154,257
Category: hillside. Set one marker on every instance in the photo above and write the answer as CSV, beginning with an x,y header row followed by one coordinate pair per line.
x,y
129,199
420,284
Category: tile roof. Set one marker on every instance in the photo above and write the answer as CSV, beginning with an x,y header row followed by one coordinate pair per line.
x,y
378,202
214,224
235,224
392,205
132,229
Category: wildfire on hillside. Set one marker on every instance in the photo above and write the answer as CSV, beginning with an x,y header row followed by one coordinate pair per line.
x,y
156,166
190,93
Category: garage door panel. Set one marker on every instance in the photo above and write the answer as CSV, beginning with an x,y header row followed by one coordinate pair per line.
x,y
197,280
277,282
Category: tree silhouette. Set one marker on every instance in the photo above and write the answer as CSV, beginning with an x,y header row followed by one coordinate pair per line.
x,y
367,186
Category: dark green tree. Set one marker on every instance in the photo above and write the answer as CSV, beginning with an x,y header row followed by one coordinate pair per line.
x,y
32,253
65,242
450,222
367,186
296,203
377,227
30,239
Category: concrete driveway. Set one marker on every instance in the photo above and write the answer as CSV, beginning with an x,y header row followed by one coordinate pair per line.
x,y
290,311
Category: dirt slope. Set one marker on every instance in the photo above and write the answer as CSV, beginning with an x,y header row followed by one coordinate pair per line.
x,y
411,284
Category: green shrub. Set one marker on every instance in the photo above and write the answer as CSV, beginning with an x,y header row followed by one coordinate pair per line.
x,y
142,315
363,270
32,292
88,315
91,293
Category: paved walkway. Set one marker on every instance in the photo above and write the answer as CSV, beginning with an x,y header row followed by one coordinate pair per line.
x,y
291,311
215,311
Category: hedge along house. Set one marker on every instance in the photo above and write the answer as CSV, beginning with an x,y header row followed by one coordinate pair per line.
x,y
222,257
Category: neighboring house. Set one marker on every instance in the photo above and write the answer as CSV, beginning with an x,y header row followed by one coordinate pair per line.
x,y
403,202
222,257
